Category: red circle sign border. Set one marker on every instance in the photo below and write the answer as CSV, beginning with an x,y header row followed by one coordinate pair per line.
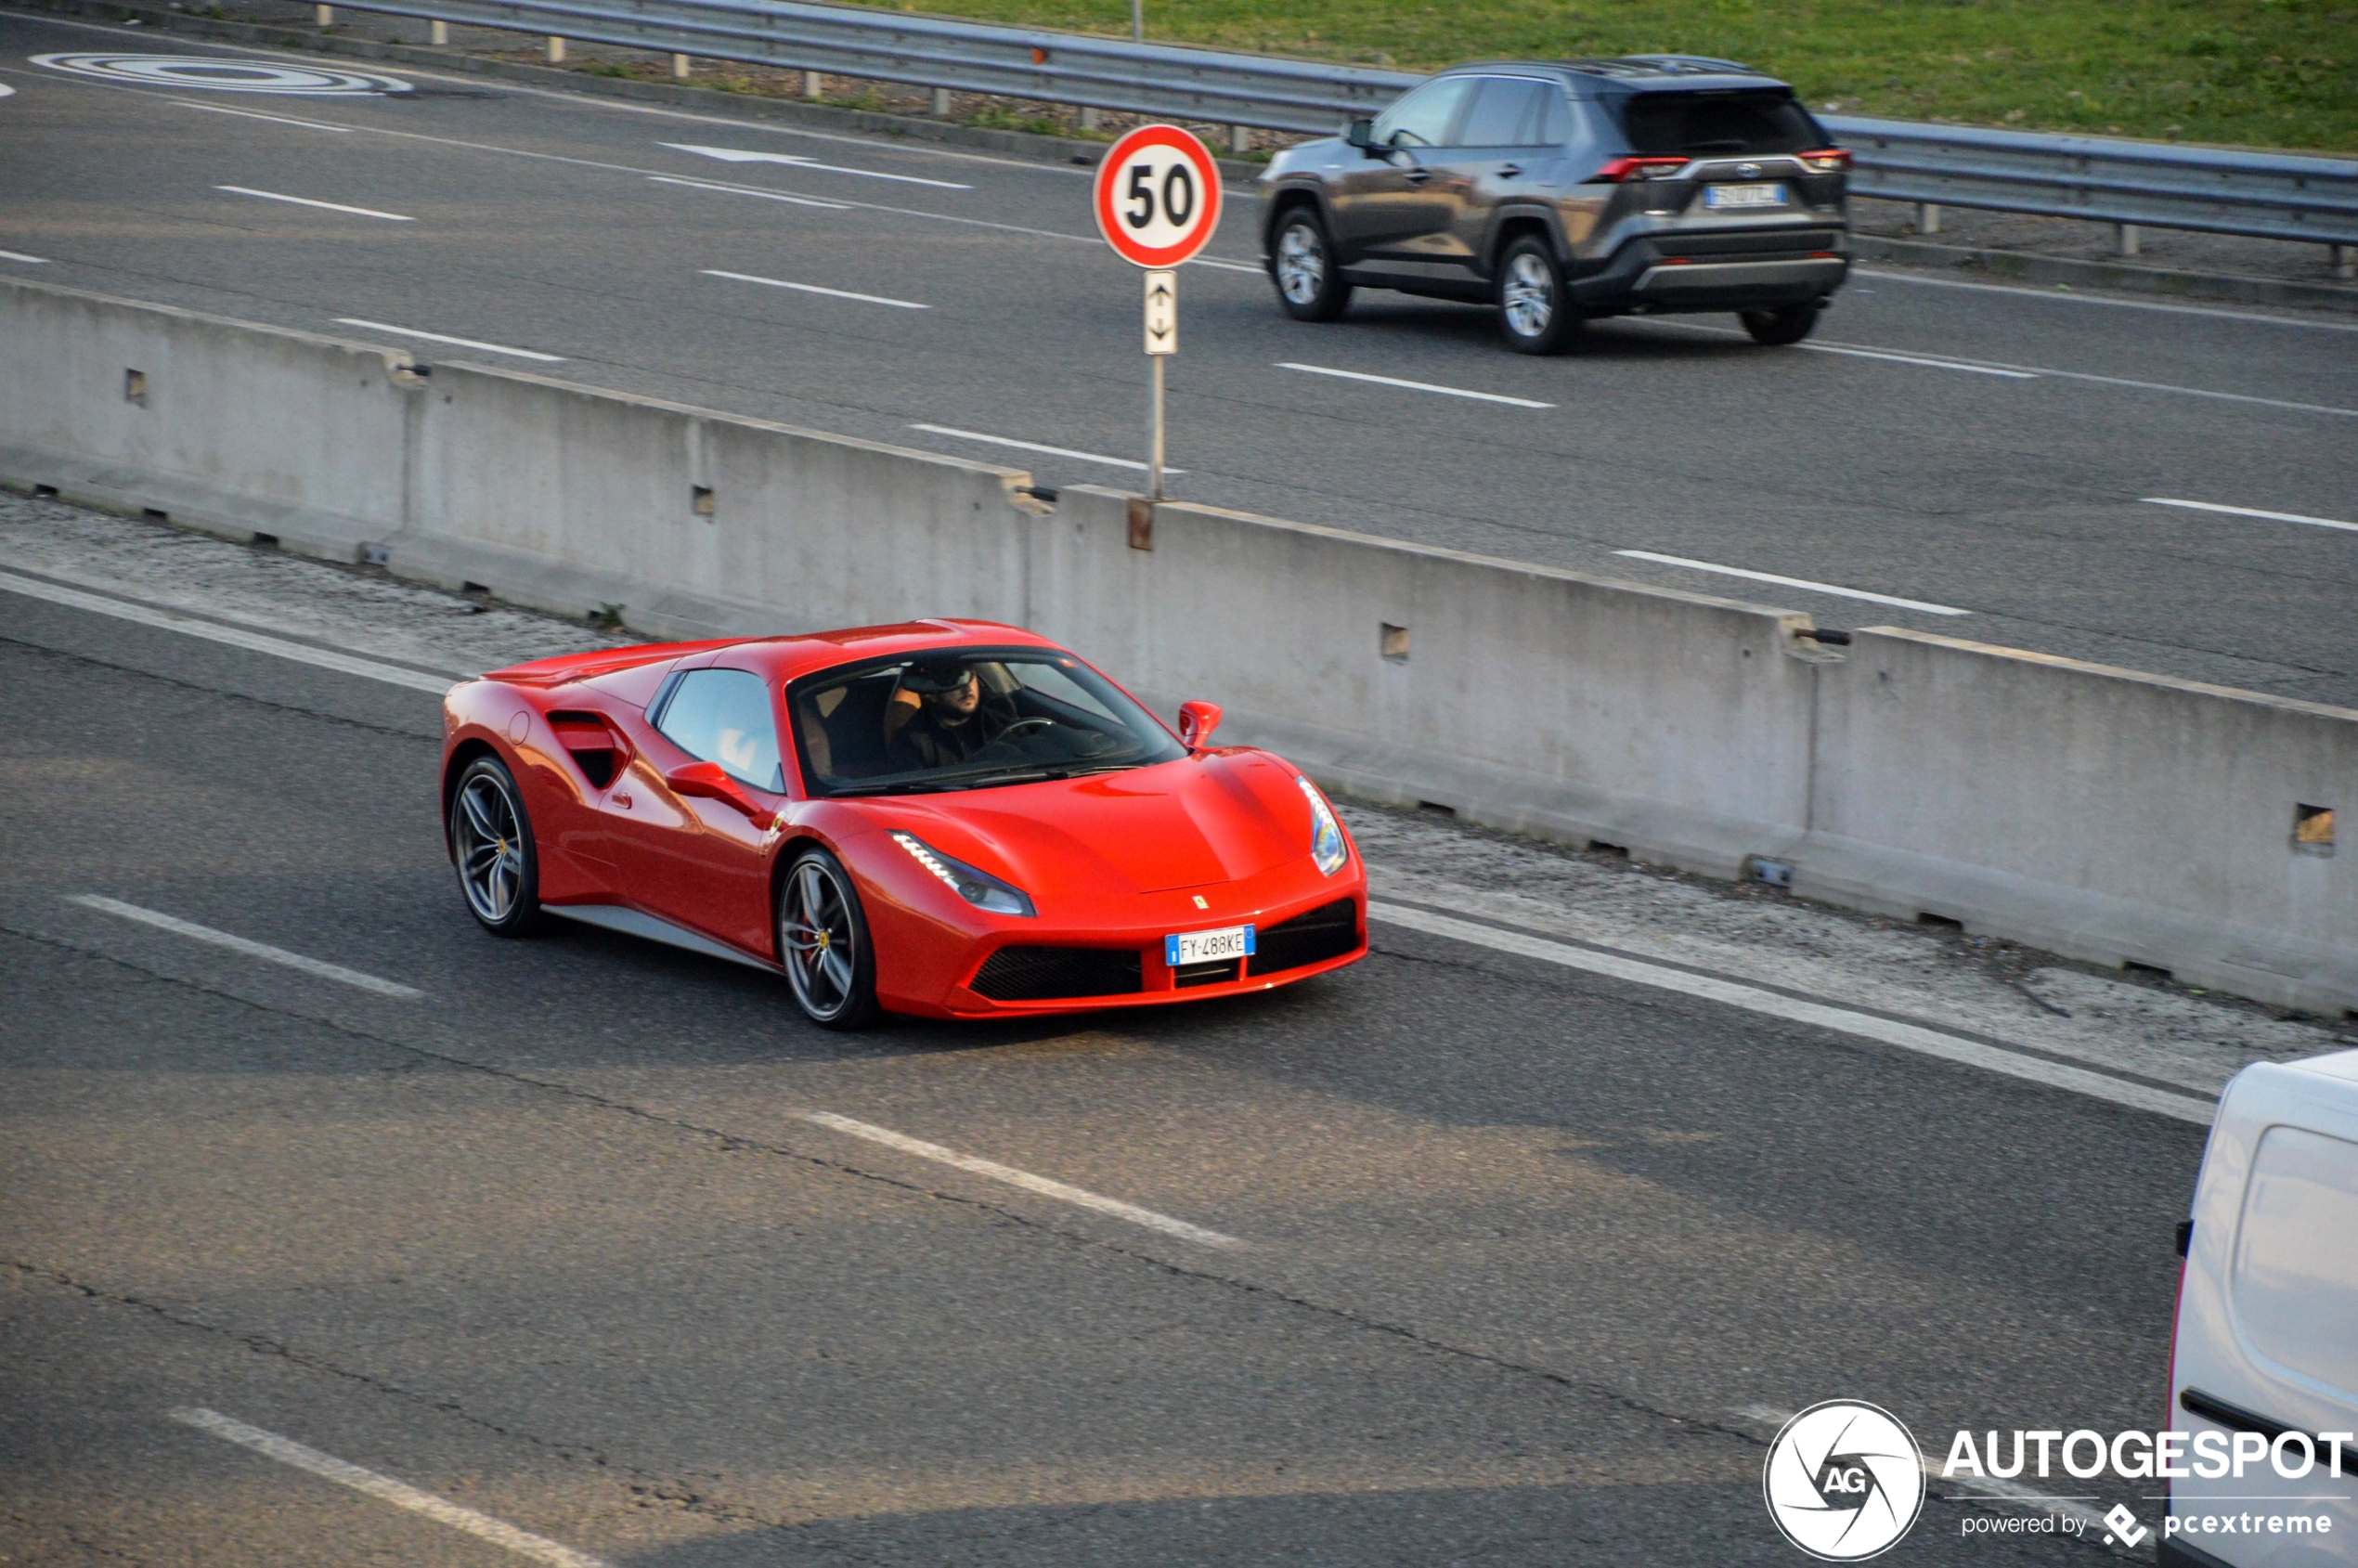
x,y
1190,147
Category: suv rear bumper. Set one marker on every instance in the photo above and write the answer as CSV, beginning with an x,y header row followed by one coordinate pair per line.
x,y
1640,277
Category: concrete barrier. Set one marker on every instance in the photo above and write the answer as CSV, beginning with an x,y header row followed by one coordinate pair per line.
x,y
2102,813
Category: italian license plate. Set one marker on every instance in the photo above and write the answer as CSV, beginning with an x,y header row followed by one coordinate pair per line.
x,y
1768,194
1207,947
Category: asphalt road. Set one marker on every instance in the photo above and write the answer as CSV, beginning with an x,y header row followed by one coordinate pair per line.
x,y
1989,451
1529,1261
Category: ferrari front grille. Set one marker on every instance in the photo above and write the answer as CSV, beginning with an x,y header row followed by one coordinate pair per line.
x,y
1329,931
1053,974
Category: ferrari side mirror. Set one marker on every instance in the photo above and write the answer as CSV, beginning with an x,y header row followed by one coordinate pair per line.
x,y
1197,721
706,780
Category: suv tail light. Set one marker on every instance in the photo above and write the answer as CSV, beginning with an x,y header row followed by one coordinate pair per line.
x,y
1827,161
1620,169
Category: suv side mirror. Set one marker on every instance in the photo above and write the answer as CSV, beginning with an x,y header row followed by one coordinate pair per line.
x,y
1362,135
1197,721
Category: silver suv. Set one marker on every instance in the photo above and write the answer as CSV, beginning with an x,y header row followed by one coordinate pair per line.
x,y
1562,190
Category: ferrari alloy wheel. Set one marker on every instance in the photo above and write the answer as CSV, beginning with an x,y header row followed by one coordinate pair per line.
x,y
491,845
822,941
1304,267
1533,311
1784,325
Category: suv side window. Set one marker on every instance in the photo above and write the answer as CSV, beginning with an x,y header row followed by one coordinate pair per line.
x,y
1425,116
1501,111
724,716
1552,123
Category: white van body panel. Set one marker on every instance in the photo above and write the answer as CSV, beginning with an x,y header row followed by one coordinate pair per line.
x,y
2268,1312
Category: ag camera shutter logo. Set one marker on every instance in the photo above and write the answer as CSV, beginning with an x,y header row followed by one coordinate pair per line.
x,y
1844,1481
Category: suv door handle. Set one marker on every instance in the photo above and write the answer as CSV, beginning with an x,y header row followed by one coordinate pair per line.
x,y
1510,171
1416,175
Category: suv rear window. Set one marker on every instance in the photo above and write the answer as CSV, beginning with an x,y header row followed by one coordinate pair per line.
x,y
1742,124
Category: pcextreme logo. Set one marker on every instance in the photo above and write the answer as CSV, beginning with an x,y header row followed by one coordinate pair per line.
x,y
1844,1481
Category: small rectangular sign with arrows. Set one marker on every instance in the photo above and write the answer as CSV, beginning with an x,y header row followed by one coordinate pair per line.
x,y
1162,313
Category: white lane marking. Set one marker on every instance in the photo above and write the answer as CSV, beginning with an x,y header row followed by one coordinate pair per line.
x,y
1842,1020
1794,582
794,160
2252,511
459,343
814,288
1229,266
1037,447
746,190
1413,386
255,642
287,1451
307,201
263,951
2076,298
2005,1491
1023,1179
257,115
1931,364
19,256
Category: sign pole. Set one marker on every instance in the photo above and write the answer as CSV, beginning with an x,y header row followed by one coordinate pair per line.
x,y
1162,341
1156,446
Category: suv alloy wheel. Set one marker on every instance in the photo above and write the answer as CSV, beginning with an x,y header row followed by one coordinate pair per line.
x,y
1303,269
1535,312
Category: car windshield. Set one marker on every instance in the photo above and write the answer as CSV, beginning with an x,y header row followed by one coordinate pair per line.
x,y
966,718
1752,124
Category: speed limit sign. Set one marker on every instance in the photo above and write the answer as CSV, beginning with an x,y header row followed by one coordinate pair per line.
x,y
1157,197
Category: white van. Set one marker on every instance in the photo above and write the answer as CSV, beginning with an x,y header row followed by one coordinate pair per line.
x,y
2264,1366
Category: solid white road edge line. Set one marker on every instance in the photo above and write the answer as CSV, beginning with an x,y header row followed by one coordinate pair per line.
x,y
814,288
747,190
1911,359
1842,1020
19,256
1037,447
287,1451
454,343
1024,1179
2252,511
1984,1486
792,160
257,115
169,620
263,951
1413,386
1794,582
307,201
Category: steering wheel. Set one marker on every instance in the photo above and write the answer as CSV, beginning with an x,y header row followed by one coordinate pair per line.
x,y
1020,725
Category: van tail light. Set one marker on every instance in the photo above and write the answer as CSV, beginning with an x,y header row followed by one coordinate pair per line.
x,y
1619,169
1827,161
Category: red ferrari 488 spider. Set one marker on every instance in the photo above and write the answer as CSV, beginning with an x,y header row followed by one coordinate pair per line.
x,y
948,818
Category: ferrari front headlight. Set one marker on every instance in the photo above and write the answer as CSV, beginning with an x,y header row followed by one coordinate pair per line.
x,y
1326,847
977,888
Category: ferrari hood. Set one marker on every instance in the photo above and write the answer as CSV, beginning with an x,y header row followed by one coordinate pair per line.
x,y
1188,823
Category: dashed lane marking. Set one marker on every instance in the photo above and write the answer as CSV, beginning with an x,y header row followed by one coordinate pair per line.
x,y
2254,511
726,190
1929,364
1414,386
264,950
257,115
796,161
815,289
307,201
1793,582
456,342
236,637
1024,1179
21,256
1820,1015
287,1451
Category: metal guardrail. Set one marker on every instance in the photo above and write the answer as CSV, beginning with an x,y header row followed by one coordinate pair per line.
x,y
2275,196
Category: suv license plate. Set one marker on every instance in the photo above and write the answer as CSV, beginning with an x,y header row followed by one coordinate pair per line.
x,y
1207,947
1767,195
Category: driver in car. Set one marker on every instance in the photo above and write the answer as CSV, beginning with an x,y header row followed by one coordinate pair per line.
x,y
938,716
